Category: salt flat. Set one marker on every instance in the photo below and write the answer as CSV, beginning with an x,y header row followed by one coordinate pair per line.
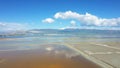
x,y
105,51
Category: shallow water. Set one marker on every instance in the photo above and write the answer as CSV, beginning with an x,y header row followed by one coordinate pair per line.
x,y
46,49
26,53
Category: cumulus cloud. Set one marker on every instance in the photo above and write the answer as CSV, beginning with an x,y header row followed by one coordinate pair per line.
x,y
12,26
88,19
73,23
48,20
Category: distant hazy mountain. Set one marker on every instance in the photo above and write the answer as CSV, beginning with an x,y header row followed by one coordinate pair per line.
x,y
65,32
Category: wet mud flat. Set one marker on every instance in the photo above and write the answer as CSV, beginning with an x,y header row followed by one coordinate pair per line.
x,y
44,56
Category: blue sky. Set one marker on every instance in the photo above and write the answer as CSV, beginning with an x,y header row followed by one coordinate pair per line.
x,y
40,14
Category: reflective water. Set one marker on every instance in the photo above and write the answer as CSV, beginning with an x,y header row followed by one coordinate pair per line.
x,y
36,52
46,48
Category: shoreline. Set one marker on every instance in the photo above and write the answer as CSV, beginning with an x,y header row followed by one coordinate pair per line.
x,y
90,58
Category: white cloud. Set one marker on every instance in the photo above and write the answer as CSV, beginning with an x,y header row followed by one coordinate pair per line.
x,y
73,23
2,24
48,20
12,26
88,19
66,15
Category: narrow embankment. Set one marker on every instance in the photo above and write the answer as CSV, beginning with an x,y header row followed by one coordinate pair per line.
x,y
93,59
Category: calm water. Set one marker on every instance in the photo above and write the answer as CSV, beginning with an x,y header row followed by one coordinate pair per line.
x,y
45,48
